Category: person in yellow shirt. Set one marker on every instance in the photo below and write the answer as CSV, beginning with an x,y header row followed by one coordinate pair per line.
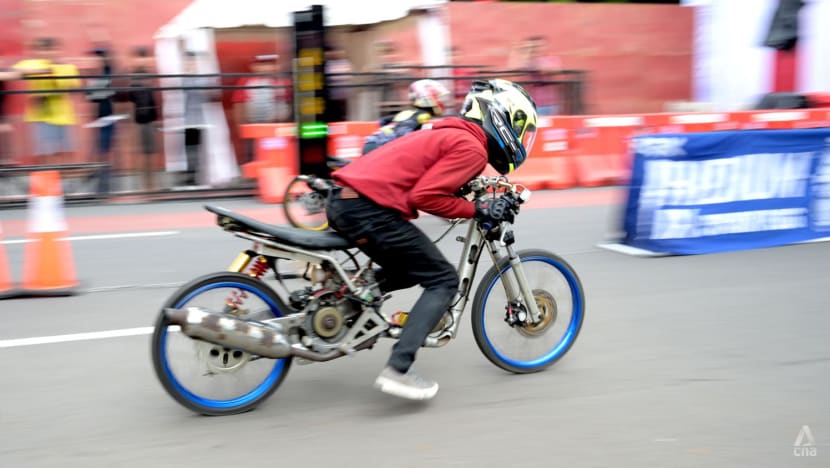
x,y
50,113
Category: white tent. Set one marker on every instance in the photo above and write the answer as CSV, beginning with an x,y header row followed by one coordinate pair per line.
x,y
219,14
193,29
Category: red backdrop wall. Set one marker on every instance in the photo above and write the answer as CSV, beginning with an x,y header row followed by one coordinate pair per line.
x,y
637,56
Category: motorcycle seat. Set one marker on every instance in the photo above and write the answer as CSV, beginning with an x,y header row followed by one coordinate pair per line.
x,y
295,237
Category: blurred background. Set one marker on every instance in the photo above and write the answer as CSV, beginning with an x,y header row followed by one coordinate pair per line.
x,y
142,111
106,90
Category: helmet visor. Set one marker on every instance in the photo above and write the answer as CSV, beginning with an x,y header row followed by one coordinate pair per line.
x,y
529,138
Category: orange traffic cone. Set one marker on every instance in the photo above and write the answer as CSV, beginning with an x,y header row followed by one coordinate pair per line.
x,y
5,276
48,266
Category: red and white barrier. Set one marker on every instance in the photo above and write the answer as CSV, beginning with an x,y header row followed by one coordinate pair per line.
x,y
570,151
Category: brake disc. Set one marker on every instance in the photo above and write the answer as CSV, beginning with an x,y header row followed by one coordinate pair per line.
x,y
547,311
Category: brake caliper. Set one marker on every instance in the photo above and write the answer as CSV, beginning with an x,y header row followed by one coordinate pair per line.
x,y
516,314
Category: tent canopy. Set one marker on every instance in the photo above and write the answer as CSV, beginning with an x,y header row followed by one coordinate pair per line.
x,y
223,14
196,26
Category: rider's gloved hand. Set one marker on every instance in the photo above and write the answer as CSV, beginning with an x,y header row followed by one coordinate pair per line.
x,y
491,212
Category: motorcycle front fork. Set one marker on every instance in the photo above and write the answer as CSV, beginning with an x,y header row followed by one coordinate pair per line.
x,y
514,280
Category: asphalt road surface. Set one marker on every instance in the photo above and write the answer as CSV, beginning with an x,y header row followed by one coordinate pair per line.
x,y
715,361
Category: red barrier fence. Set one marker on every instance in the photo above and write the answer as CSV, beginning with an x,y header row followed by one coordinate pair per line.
x,y
570,151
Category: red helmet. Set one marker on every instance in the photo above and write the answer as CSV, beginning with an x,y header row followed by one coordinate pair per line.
x,y
430,95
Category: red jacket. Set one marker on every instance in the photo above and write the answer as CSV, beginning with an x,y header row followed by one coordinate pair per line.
x,y
422,170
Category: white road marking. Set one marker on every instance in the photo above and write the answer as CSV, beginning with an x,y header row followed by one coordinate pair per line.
x,y
39,340
75,337
811,241
126,235
637,252
628,250
175,284
665,440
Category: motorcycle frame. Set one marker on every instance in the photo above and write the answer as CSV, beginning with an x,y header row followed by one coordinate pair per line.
x,y
515,283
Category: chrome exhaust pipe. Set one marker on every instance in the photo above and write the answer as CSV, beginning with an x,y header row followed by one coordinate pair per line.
x,y
225,330
251,337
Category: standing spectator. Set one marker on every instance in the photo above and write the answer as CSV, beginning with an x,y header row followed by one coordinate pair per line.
x,y
337,65
5,126
145,114
51,114
394,68
267,103
195,122
532,58
102,95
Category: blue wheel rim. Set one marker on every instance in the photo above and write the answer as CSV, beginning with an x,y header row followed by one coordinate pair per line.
x,y
241,400
570,334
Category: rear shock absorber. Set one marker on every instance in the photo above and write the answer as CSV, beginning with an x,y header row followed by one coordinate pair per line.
x,y
257,270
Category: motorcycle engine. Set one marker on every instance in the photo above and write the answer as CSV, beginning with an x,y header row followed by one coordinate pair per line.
x,y
328,318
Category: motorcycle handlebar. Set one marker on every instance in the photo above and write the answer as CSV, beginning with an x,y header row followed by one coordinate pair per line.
x,y
516,194
480,185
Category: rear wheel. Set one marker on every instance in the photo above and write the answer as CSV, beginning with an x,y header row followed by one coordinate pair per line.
x,y
304,207
211,379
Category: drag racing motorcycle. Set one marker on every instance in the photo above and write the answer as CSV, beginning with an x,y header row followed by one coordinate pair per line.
x,y
223,343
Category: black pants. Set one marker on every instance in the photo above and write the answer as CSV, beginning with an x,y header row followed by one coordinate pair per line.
x,y
192,144
407,258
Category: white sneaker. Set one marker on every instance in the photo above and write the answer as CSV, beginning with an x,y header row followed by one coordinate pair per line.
x,y
410,385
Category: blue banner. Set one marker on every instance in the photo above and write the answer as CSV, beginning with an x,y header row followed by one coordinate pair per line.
x,y
699,193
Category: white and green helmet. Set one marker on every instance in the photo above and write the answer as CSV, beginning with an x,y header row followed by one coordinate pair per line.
x,y
507,114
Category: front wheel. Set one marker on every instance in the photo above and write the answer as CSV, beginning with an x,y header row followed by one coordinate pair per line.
x,y
304,207
211,379
532,347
